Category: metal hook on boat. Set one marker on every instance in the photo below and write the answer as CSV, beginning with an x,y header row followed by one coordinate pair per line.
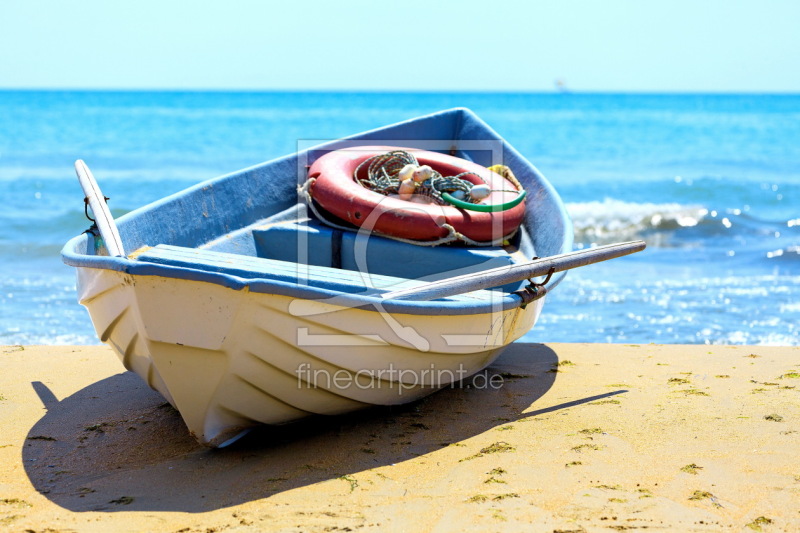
x,y
533,291
93,228
86,207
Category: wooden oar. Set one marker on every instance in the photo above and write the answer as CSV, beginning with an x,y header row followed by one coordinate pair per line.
x,y
514,273
102,215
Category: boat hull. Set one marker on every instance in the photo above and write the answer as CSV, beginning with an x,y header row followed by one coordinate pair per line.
x,y
230,359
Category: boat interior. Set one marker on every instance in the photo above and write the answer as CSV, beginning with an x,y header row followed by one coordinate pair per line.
x,y
249,226
296,247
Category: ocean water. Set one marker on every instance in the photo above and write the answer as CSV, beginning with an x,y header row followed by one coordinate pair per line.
x,y
711,182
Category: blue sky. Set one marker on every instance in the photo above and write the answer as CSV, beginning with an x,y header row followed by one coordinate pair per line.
x,y
592,45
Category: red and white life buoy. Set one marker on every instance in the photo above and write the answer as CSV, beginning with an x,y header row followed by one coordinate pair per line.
x,y
335,189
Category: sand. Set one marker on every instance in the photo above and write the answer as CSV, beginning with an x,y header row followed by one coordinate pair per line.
x,y
579,437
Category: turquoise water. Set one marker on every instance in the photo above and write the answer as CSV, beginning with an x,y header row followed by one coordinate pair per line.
x,y
711,182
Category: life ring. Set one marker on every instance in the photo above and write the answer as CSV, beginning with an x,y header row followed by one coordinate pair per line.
x,y
335,190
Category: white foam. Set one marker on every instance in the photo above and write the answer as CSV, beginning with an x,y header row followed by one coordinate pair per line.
x,y
612,220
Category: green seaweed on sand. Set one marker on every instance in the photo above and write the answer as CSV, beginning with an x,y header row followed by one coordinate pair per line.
x,y
767,383
700,495
678,381
582,447
691,469
123,500
694,392
612,401
561,364
756,524
99,426
351,480
16,502
501,497
774,417
510,376
497,447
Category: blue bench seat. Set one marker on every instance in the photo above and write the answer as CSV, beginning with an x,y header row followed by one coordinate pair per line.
x,y
250,267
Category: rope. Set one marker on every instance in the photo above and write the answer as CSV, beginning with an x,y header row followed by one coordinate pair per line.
x,y
382,177
383,169
508,174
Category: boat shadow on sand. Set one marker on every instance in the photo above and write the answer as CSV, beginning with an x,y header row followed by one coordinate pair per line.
x,y
108,445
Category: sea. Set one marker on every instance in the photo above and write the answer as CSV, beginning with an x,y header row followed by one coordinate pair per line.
x,y
710,181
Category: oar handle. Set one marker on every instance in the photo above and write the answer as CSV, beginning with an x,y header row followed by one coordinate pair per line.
x,y
515,273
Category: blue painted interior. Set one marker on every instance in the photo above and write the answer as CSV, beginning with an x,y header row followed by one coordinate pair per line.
x,y
312,242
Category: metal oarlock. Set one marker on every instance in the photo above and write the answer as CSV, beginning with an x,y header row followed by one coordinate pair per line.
x,y
533,291
86,207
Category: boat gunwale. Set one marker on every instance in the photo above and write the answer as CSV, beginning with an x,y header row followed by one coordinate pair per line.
x,y
367,301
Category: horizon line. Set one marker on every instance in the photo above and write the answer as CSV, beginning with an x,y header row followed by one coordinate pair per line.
x,y
566,92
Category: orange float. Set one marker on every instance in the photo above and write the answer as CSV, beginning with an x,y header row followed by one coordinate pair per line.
x,y
335,189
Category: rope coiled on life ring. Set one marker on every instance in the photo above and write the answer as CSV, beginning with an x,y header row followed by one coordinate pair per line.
x,y
382,177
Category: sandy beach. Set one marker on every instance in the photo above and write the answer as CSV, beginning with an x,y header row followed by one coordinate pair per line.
x,y
579,437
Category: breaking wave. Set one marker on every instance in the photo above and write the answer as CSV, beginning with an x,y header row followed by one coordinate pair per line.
x,y
670,225
616,220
